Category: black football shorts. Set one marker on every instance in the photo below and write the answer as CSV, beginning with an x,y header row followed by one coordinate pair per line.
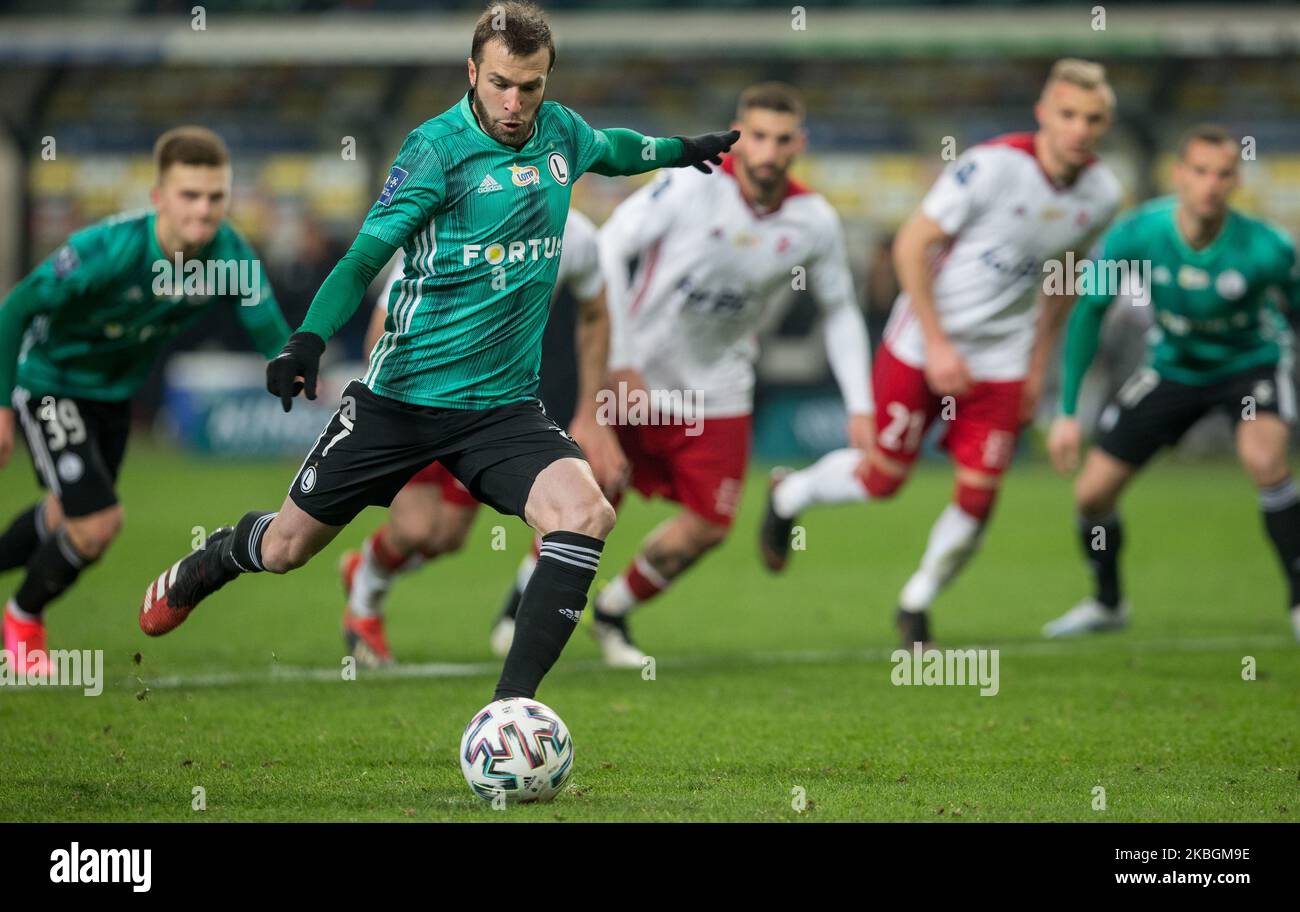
x,y
373,445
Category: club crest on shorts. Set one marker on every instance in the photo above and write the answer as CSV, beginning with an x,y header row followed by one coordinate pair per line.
x,y
70,468
308,480
559,167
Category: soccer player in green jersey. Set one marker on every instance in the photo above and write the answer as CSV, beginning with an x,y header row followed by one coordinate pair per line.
x,y
477,198
1219,342
79,335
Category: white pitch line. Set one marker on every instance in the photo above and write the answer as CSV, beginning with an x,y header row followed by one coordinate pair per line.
x,y
433,670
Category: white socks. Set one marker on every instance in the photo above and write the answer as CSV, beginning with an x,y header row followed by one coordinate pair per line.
x,y
830,480
369,584
954,538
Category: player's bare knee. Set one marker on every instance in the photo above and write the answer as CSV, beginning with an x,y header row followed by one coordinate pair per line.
x,y
91,535
884,481
590,515
1265,468
706,536
283,553
1092,498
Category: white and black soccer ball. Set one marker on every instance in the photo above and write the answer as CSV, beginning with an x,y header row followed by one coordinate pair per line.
x,y
516,749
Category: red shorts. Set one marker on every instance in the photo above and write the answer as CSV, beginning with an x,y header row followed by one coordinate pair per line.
x,y
703,473
452,491
982,425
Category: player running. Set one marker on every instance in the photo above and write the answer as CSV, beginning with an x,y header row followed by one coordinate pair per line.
x,y
967,339
1219,342
477,198
79,335
716,257
432,515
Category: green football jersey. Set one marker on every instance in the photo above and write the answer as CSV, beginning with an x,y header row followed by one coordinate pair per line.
x,y
91,319
1215,310
482,225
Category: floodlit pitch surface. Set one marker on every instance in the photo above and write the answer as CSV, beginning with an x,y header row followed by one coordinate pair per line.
x,y
769,694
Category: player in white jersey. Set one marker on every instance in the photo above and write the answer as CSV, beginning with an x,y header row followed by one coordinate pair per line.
x,y
716,259
432,515
969,339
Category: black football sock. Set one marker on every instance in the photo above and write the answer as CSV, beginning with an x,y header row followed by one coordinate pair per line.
x,y
550,609
52,568
241,552
1281,507
1101,539
510,608
24,535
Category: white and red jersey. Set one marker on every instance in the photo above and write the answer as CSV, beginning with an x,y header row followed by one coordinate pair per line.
x,y
711,273
1006,218
579,262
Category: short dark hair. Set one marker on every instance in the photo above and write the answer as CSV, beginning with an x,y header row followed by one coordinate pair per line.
x,y
518,23
771,96
189,146
1207,133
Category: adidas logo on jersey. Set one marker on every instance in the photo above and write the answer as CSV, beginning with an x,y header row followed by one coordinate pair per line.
x,y
488,185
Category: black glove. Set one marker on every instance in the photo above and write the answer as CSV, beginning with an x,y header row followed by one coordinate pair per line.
x,y
299,358
696,150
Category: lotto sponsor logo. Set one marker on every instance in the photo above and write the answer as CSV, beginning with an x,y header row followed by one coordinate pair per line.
x,y
512,251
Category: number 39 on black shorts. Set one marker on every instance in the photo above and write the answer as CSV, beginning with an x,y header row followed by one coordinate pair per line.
x,y
76,445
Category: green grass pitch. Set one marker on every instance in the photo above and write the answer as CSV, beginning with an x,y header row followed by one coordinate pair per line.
x,y
763,685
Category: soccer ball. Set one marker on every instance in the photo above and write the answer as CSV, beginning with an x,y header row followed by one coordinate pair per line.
x,y
517,750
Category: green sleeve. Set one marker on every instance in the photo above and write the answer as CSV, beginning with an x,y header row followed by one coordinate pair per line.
x,y
619,152
1082,338
22,304
79,267
1083,332
616,151
341,292
412,192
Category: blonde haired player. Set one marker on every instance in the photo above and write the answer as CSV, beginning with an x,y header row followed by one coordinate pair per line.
x,y
968,338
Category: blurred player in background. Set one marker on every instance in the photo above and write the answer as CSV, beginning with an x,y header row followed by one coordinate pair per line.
x,y
478,198
715,256
968,339
1219,342
79,336
433,514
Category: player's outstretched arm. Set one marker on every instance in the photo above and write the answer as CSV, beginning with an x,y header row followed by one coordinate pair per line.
x,y
620,152
38,293
845,332
295,369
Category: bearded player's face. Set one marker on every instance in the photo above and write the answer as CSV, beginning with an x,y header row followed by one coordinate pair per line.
x,y
191,201
508,91
1205,177
768,145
